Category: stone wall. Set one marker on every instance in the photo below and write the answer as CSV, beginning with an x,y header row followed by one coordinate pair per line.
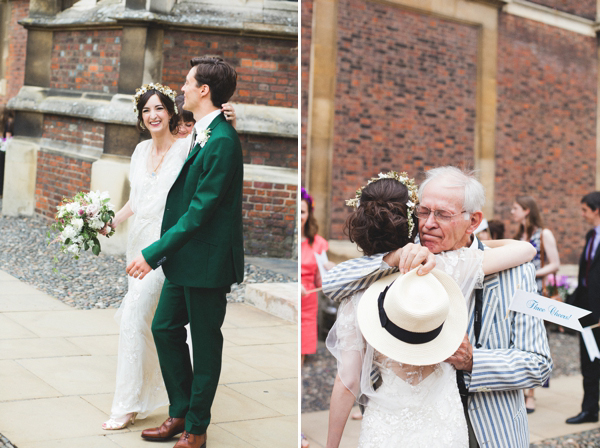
x,y
267,68
546,126
86,60
307,18
582,8
405,96
269,212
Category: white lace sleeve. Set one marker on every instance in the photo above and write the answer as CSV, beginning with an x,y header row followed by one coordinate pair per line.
x,y
465,266
346,344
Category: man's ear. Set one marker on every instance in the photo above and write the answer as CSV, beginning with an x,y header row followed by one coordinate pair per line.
x,y
475,220
204,90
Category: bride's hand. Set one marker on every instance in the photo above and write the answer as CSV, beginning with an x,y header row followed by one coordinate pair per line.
x,y
108,227
409,257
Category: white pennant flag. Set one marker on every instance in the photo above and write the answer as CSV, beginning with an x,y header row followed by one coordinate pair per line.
x,y
590,343
548,309
321,261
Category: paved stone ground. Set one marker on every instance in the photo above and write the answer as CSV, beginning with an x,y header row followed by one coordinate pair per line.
x,y
318,375
94,282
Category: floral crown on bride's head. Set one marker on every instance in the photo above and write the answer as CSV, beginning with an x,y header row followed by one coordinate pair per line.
x,y
409,183
153,86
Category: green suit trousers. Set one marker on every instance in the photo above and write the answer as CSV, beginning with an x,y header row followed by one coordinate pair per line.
x,y
191,391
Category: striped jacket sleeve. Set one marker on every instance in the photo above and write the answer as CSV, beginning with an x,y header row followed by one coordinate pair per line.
x,y
353,275
516,354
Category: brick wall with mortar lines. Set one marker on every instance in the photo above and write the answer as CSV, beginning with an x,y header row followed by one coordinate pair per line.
x,y
59,176
546,126
271,151
269,213
86,60
74,130
405,96
306,30
582,8
267,68
17,43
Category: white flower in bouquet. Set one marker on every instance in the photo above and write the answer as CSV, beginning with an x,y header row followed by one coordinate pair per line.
x,y
78,224
69,232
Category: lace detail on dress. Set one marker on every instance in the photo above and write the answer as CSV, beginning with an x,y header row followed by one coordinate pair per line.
x,y
407,406
140,387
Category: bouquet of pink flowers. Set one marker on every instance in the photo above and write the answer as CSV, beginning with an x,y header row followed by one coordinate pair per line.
x,y
560,286
79,220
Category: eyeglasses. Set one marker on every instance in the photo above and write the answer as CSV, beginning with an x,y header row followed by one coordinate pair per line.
x,y
439,215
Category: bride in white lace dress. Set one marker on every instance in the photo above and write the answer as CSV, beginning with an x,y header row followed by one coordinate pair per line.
x,y
155,164
407,405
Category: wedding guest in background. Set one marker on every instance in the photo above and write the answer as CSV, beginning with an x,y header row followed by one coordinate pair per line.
x,y
187,122
525,212
587,296
496,229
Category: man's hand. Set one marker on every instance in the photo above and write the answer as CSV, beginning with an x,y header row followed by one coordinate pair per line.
x,y
138,268
462,359
411,256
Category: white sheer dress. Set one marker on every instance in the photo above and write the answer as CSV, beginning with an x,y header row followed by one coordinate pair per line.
x,y
140,387
409,406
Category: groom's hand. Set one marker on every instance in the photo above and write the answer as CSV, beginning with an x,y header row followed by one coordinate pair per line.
x,y
462,359
138,268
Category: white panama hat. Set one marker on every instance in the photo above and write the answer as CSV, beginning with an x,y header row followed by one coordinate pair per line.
x,y
414,319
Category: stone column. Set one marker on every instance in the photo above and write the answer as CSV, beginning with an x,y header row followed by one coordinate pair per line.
x,y
319,148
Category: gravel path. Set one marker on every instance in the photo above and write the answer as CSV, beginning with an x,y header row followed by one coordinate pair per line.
x,y
320,369
90,282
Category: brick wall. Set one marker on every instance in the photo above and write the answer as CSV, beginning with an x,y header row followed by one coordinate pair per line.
x,y
269,212
405,96
17,43
582,8
546,125
306,15
73,130
86,60
271,151
267,68
58,176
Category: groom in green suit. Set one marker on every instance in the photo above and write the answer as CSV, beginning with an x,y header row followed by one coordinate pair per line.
x,y
201,253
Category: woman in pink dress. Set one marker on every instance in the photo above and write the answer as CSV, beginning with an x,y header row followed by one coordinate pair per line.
x,y
311,279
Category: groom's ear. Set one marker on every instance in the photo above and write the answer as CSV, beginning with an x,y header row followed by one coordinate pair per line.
x,y
475,220
204,90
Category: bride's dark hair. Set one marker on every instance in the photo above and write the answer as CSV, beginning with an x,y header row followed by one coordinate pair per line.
x,y
379,224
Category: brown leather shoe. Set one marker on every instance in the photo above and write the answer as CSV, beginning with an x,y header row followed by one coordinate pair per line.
x,y
170,428
188,440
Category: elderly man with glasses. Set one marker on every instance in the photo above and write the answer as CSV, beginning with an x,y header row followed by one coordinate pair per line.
x,y
503,352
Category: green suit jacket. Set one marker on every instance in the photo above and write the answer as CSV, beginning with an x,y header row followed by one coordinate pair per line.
x,y
201,242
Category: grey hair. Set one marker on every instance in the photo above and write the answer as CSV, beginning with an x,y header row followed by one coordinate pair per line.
x,y
474,191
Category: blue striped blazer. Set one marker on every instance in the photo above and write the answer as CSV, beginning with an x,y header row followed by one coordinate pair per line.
x,y
514,353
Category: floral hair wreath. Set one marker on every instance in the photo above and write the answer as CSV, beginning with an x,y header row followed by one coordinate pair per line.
x,y
153,86
413,195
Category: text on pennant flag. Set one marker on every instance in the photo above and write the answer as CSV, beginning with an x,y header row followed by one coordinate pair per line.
x,y
548,309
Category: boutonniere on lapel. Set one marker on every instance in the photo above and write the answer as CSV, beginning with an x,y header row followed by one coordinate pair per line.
x,y
202,138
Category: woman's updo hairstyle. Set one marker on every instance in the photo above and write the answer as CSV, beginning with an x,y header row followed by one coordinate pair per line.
x,y
379,224
167,102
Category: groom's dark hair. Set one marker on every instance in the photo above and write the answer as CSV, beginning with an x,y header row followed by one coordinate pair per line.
x,y
220,77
